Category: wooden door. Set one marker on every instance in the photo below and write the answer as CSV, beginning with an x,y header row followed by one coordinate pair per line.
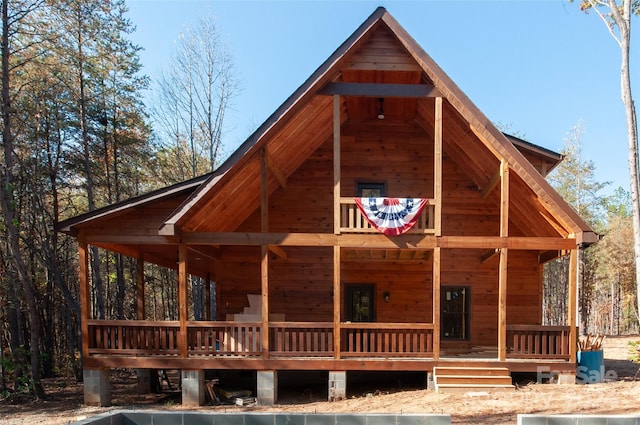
x,y
359,303
454,312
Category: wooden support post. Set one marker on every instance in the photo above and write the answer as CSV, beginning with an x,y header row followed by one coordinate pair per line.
x,y
264,278
264,263
502,306
572,314
336,164
502,275
436,303
337,301
437,166
183,310
85,300
140,310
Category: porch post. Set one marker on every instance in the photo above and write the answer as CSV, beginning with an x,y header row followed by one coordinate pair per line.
x,y
502,276
337,301
436,303
85,301
572,314
336,226
140,310
502,306
264,263
183,310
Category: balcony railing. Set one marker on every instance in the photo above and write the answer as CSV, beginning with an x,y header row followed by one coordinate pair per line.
x,y
352,220
538,342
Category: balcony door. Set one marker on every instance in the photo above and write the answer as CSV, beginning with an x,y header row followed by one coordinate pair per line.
x,y
359,303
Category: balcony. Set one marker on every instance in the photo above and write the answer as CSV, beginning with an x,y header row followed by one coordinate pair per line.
x,y
352,220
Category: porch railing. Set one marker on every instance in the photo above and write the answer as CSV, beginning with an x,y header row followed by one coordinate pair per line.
x,y
224,339
137,337
352,220
538,342
301,339
239,339
387,340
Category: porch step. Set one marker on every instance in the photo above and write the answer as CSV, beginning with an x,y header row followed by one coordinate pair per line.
x,y
463,379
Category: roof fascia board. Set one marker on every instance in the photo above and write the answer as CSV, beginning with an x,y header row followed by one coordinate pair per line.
x,y
67,226
493,138
254,142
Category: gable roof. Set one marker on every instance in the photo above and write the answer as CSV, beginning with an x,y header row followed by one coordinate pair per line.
x,y
290,122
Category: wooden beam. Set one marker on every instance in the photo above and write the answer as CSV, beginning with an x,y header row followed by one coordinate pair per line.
x,y
437,166
380,90
140,310
436,303
336,164
489,255
85,300
491,185
375,241
183,309
275,170
281,253
572,301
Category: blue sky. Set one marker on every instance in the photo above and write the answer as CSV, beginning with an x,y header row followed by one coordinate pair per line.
x,y
537,67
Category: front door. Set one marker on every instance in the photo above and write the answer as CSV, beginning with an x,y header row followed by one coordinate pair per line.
x,y
359,305
454,317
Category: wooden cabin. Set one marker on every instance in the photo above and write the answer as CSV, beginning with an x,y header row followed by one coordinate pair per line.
x,y
305,280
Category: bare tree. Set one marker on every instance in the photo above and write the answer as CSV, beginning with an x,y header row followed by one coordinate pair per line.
x,y
193,96
617,18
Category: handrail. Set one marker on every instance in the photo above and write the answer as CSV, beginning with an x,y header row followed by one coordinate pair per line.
x,y
352,220
538,342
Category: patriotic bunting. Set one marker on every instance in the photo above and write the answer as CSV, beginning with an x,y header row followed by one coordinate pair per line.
x,y
391,216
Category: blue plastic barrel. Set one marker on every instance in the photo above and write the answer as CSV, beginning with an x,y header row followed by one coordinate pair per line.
x,y
590,368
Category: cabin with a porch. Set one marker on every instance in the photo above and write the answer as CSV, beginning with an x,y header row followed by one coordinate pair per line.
x,y
377,221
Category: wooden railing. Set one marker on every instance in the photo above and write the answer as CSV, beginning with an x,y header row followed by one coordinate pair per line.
x,y
224,339
301,339
538,342
387,340
128,337
352,220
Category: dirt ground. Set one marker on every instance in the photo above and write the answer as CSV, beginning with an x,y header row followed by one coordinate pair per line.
x,y
622,396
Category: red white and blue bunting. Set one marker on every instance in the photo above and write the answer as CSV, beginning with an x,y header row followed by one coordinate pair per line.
x,y
391,216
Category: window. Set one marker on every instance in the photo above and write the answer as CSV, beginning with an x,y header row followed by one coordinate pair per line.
x,y
371,190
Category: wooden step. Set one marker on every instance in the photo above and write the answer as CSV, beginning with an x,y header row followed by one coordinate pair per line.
x,y
463,379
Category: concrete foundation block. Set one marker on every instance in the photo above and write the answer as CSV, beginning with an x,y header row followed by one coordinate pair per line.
x,y
193,388
337,385
267,386
96,387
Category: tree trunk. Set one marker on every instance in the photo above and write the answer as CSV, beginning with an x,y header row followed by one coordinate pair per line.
x,y
623,21
8,207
